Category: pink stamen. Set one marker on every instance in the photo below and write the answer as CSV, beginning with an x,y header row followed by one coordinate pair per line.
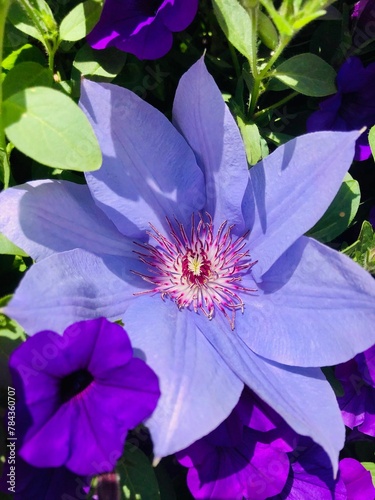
x,y
202,272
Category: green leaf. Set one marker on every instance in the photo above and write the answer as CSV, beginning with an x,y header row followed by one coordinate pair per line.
x,y
137,477
11,336
35,18
340,213
370,466
80,20
267,31
8,248
24,54
363,250
24,75
48,126
252,140
235,21
99,64
20,20
371,140
307,74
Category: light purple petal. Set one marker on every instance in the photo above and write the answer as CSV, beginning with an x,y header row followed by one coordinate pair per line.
x,y
315,307
292,188
281,387
73,286
198,390
148,171
205,121
44,217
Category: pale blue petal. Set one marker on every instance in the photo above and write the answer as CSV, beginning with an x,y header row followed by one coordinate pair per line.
x,y
315,307
292,188
148,170
198,389
73,286
205,121
44,217
302,396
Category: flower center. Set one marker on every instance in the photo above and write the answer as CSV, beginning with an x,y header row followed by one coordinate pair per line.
x,y
74,383
201,271
150,7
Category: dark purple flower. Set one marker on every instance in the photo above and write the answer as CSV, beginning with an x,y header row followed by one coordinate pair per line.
x,y
357,377
83,390
23,480
34,483
245,457
363,22
352,107
142,27
311,477
371,217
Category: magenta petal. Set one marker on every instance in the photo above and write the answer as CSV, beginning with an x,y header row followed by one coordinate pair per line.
x,y
357,480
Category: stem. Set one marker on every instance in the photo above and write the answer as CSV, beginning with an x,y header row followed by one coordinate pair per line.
x,y
253,61
4,7
284,40
236,64
254,96
276,105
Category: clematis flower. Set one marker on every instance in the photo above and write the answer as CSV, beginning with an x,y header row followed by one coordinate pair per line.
x,y
352,107
204,261
83,392
357,377
142,27
245,457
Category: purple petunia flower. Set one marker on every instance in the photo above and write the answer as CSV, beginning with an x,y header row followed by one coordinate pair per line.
x,y
83,391
204,261
34,483
352,107
245,457
311,477
363,22
357,480
357,377
142,27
